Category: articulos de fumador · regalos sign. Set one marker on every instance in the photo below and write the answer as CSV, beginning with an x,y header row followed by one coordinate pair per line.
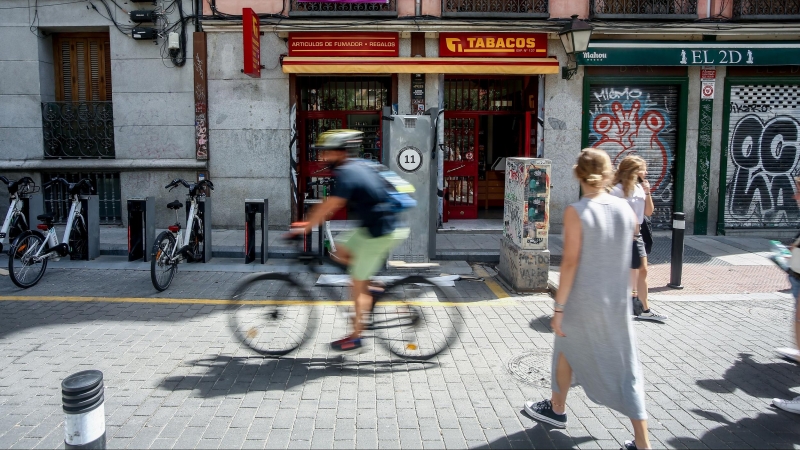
x,y
676,53
343,44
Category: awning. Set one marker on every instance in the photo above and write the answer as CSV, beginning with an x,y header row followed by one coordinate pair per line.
x,y
374,65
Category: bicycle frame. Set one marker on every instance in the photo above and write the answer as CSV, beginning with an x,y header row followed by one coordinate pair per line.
x,y
51,238
183,235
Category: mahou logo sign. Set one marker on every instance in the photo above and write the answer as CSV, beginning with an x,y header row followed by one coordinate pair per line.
x,y
509,45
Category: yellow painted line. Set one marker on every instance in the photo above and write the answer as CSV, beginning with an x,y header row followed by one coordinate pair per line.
x,y
211,301
490,283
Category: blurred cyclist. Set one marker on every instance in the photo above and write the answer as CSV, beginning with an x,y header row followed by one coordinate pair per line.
x,y
364,249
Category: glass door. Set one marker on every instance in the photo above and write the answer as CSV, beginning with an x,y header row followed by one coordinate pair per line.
x,y
461,137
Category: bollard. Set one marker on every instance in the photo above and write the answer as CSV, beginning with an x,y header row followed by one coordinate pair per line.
x,y
676,262
84,413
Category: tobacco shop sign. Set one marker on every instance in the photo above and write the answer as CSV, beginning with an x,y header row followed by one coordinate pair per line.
x,y
676,53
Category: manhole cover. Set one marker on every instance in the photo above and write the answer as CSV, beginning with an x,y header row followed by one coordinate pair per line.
x,y
532,367
777,313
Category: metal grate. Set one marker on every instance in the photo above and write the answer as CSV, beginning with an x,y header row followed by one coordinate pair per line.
x,y
344,93
300,8
644,9
763,157
630,119
105,184
483,94
490,8
766,9
78,129
461,191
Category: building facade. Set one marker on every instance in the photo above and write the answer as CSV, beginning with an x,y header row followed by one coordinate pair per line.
x,y
704,90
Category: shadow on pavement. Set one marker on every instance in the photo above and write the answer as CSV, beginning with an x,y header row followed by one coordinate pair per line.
x,y
541,324
227,375
538,436
764,381
780,429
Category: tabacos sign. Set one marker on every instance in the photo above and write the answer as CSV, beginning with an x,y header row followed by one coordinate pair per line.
x,y
508,45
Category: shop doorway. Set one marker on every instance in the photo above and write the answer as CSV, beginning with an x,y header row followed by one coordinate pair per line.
x,y
330,102
486,120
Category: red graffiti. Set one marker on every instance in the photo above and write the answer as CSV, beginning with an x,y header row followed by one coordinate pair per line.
x,y
622,135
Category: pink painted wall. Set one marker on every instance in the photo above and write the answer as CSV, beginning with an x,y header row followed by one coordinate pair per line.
x,y
404,7
564,9
259,6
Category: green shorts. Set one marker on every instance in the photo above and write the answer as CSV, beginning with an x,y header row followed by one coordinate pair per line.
x,y
367,253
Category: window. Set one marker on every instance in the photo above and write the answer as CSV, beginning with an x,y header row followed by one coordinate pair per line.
x,y
83,67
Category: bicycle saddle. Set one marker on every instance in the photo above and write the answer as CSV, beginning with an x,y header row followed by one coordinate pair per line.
x,y
175,205
45,217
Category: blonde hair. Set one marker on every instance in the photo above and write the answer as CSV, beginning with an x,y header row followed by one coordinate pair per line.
x,y
593,167
627,173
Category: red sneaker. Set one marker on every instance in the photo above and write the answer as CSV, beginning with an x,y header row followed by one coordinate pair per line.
x,y
346,344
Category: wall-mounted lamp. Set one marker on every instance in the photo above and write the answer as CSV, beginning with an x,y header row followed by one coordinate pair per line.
x,y
575,38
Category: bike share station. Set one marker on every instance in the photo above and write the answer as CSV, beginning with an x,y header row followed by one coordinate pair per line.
x,y
204,213
141,227
91,204
251,208
410,143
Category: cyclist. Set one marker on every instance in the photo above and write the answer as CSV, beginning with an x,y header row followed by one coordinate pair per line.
x,y
365,248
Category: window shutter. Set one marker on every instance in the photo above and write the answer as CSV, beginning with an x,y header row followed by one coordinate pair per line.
x,y
83,69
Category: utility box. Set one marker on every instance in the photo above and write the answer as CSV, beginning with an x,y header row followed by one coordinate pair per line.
x,y
524,254
409,151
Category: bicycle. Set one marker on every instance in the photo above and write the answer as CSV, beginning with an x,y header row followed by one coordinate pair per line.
x,y
404,316
32,249
15,222
166,255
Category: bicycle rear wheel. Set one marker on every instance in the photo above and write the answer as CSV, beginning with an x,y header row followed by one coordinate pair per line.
x,y
270,327
410,321
162,267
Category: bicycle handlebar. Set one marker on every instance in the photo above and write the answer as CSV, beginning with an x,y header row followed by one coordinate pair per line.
x,y
4,180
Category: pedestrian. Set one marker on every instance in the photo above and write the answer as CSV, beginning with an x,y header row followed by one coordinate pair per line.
x,y
793,354
594,344
630,183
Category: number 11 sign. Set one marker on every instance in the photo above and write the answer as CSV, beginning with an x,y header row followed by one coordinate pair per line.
x,y
409,159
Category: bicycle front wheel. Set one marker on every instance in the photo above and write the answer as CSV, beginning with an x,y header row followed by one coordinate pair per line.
x,y
270,327
23,269
78,248
162,267
410,320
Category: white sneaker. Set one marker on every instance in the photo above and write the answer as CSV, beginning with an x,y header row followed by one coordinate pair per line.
x,y
652,316
789,353
793,405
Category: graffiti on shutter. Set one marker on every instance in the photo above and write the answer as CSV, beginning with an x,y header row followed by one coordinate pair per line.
x,y
639,120
763,139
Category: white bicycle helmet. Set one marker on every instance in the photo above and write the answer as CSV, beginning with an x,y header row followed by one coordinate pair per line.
x,y
348,140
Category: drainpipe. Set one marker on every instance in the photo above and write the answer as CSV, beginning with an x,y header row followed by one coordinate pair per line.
x,y
418,8
708,9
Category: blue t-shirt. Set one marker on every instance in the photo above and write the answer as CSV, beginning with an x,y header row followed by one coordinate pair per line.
x,y
365,192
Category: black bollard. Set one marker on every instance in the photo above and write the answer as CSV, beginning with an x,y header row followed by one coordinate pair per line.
x,y
84,413
676,262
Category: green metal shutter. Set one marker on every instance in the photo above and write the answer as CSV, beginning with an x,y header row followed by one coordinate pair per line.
x,y
763,139
639,120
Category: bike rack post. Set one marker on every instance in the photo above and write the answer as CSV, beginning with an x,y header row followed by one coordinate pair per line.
x,y
141,227
33,206
251,208
204,212
307,241
91,204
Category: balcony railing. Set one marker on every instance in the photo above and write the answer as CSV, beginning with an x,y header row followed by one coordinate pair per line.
x,y
644,9
529,9
78,129
323,8
766,9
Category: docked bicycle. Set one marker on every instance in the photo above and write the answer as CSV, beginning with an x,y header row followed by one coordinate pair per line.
x,y
15,222
177,244
406,317
32,249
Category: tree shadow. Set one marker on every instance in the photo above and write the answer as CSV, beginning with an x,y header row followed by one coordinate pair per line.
x,y
760,380
538,436
541,324
774,429
229,375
